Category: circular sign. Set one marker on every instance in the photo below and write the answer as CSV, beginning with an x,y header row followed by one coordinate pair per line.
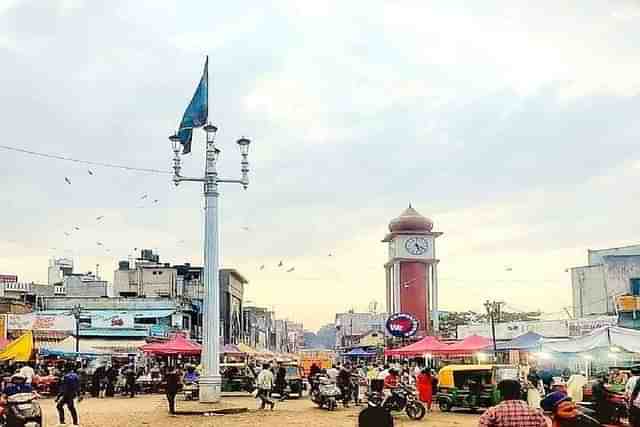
x,y
402,325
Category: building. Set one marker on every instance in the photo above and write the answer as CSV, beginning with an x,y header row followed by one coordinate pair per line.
x,y
351,326
259,328
58,268
412,270
610,273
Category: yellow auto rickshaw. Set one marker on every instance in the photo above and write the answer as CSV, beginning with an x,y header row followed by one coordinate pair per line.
x,y
471,386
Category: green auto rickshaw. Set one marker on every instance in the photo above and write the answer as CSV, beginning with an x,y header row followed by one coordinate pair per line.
x,y
471,386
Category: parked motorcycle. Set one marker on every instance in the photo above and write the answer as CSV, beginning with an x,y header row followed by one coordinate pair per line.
x,y
324,393
404,398
23,410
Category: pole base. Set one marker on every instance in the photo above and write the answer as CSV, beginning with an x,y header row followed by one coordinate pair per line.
x,y
210,389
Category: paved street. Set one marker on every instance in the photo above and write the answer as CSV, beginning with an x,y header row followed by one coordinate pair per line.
x,y
151,411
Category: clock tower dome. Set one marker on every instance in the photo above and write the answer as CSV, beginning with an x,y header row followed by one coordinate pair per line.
x,y
412,270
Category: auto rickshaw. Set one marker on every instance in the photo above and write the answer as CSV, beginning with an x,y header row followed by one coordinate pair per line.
x,y
294,378
471,386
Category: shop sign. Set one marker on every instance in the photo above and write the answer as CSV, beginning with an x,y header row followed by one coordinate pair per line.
x,y
159,331
402,325
115,321
40,322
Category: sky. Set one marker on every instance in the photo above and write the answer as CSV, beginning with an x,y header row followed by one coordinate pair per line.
x,y
512,125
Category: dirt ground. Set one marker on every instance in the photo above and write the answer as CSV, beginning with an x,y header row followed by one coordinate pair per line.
x,y
151,411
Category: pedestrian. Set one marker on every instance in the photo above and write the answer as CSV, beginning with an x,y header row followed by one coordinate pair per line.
x,y
174,382
265,384
424,384
111,376
281,383
28,372
67,392
332,373
130,375
632,391
512,412
344,383
375,417
564,412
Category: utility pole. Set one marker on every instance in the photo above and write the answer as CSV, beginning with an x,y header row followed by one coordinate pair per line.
x,y
493,311
76,311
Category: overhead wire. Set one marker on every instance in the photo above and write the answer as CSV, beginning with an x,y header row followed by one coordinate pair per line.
x,y
86,162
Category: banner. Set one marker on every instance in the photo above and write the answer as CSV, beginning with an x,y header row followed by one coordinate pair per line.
x,y
41,322
112,321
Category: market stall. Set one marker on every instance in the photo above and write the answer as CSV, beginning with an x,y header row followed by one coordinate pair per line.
x,y
515,351
427,345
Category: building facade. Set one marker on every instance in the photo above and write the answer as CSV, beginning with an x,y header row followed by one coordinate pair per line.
x,y
611,273
351,326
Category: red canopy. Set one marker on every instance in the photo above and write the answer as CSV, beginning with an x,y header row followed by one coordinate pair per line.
x,y
426,345
467,346
177,345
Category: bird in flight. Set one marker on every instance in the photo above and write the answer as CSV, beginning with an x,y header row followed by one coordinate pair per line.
x,y
98,218
291,269
144,196
330,254
67,234
76,228
245,228
508,268
155,200
90,171
99,243
262,267
280,264
67,180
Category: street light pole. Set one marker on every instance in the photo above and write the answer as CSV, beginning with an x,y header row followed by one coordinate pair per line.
x,y
76,311
211,382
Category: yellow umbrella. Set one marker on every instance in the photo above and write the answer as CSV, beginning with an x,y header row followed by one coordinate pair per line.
x,y
19,349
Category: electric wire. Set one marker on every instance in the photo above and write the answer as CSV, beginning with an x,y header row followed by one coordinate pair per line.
x,y
86,162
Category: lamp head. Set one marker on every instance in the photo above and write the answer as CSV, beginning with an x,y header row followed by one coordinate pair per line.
x,y
243,143
175,141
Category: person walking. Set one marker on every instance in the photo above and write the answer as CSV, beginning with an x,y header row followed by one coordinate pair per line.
x,y
265,384
130,376
424,384
281,383
512,412
174,382
632,391
67,392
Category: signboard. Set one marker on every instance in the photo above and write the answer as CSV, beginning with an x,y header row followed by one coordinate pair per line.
x,y
159,331
8,278
41,322
3,326
112,321
402,325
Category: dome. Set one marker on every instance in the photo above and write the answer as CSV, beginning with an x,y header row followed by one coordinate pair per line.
x,y
410,220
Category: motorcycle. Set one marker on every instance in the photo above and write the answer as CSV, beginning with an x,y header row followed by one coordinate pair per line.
x,y
617,410
22,410
324,393
404,398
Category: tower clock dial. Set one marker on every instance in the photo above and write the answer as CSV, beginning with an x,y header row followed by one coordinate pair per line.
x,y
416,245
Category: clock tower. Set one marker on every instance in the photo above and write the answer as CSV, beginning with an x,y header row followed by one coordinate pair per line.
x,y
412,270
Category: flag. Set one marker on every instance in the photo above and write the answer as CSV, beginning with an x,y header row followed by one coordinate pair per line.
x,y
196,113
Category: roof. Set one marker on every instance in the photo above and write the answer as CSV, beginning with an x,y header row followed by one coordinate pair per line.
x,y
177,345
114,332
525,341
426,345
235,273
466,368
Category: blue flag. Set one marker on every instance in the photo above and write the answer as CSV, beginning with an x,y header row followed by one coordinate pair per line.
x,y
197,112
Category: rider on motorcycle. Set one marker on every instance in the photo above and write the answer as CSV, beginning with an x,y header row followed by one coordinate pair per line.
x,y
602,404
344,383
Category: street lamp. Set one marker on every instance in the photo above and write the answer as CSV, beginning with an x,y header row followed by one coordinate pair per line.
x,y
211,382
76,311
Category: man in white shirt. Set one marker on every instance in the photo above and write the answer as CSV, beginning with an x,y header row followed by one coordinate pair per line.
x,y
264,382
332,373
634,401
384,373
27,372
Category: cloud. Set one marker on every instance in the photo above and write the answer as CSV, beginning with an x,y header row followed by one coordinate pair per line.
x,y
514,128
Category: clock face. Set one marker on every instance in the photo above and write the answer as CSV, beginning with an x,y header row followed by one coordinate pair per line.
x,y
416,245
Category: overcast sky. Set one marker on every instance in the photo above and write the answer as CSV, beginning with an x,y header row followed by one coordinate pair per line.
x,y
513,126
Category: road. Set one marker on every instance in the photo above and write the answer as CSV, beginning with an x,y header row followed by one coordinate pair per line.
x,y
151,411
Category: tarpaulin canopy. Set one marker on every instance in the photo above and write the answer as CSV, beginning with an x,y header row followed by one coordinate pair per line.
x,y
609,336
230,349
177,345
90,346
467,346
359,352
527,341
424,346
19,349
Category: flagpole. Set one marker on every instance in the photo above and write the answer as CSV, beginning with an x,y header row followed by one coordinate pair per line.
x,y
210,384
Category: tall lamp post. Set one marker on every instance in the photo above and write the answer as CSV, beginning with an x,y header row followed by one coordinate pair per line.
x,y
76,311
211,382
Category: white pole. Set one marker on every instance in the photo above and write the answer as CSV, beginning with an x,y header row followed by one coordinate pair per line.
x,y
211,382
434,293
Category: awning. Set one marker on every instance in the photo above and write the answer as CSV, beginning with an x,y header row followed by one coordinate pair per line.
x,y
427,345
358,352
466,347
178,345
610,336
527,341
19,350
